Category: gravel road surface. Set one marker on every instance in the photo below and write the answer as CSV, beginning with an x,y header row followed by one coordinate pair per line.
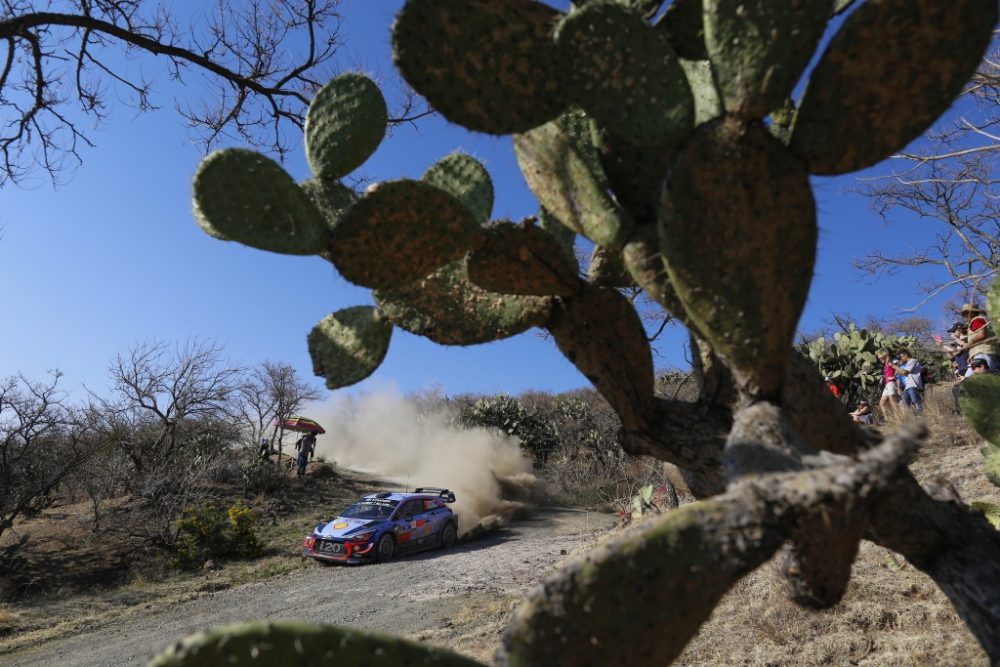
x,y
405,597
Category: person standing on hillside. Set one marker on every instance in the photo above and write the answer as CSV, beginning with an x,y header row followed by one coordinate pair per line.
x,y
890,391
977,367
910,370
981,339
307,450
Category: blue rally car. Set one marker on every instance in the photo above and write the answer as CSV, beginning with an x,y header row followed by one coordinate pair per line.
x,y
380,525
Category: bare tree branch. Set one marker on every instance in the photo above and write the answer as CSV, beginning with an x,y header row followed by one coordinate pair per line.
x,y
263,61
954,181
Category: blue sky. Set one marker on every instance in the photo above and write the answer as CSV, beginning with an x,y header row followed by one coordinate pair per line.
x,y
113,257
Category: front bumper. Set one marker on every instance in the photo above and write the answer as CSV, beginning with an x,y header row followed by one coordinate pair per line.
x,y
339,551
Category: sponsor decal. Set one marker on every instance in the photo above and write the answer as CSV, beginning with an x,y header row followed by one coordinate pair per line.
x,y
341,524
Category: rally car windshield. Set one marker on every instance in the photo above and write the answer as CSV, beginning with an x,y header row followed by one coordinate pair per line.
x,y
370,509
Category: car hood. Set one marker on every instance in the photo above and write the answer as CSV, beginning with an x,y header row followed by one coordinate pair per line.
x,y
341,527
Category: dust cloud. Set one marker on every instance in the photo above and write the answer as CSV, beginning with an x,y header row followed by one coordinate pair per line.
x,y
385,434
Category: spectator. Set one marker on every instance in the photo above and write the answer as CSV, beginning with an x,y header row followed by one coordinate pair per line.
x,y
890,390
306,447
955,348
863,413
910,370
981,340
977,367
265,448
832,386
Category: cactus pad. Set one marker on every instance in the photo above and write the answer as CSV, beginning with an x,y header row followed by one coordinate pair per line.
x,y
241,195
330,197
465,179
345,123
979,396
737,228
582,134
759,49
288,643
448,309
644,262
684,26
401,231
348,345
890,71
618,604
522,259
625,74
564,236
607,269
599,331
707,103
567,187
489,65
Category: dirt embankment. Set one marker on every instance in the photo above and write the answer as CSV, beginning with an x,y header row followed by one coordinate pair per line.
x,y
459,598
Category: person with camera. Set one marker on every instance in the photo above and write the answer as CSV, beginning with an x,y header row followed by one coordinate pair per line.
x,y
911,371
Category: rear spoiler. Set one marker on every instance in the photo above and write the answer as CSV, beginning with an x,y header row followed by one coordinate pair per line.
x,y
444,494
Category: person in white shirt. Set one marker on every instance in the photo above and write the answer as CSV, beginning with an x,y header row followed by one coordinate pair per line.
x,y
910,370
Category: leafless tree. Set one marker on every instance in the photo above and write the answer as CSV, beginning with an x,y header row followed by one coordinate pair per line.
x,y
41,441
172,416
164,396
269,394
954,180
67,61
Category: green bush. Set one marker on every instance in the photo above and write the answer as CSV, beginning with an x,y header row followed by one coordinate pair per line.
x,y
209,531
538,436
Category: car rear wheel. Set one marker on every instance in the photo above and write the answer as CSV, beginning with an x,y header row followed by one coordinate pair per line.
x,y
448,535
385,548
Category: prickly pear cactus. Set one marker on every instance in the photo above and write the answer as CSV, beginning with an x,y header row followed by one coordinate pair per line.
x,y
867,98
344,125
241,195
762,226
850,358
669,140
642,89
489,65
348,345
287,643
979,396
419,226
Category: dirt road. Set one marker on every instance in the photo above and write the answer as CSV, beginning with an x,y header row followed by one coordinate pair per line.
x,y
458,598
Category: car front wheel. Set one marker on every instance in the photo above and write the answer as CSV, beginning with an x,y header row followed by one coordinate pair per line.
x,y
448,535
385,548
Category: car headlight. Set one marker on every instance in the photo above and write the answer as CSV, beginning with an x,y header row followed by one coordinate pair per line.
x,y
362,537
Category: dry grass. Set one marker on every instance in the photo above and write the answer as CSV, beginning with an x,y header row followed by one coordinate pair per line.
x,y
892,615
9,620
119,587
475,627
